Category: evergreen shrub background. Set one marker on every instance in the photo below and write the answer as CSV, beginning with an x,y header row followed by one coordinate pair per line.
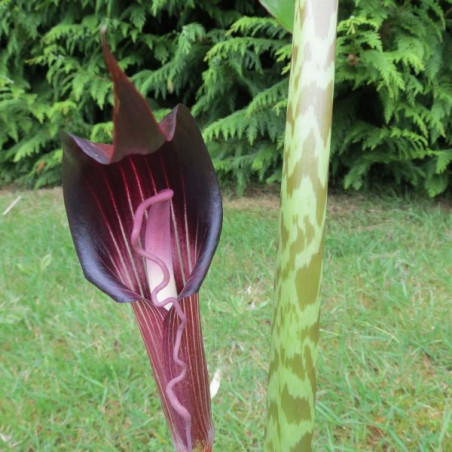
x,y
229,61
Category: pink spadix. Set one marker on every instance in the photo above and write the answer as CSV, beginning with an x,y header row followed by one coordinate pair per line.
x,y
160,274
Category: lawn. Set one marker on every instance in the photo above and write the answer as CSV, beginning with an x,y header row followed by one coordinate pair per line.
x,y
75,376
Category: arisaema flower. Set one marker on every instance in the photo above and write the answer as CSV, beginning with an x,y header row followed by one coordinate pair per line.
x,y
145,216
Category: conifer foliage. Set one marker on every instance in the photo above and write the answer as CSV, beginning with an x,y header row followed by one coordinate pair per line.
x,y
228,61
393,108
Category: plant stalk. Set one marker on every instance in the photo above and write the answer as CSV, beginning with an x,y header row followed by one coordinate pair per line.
x,y
295,330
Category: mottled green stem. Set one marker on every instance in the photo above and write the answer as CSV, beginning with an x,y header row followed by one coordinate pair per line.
x,y
292,376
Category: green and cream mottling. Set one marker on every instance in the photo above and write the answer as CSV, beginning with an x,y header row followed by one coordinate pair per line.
x,y
292,378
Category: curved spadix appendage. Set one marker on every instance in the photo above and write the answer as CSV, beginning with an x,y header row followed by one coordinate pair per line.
x,y
163,294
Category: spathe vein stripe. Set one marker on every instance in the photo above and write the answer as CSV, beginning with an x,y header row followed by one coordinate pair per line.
x,y
132,260
122,273
143,310
125,238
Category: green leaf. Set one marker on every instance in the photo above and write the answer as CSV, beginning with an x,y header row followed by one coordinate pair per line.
x,y
282,10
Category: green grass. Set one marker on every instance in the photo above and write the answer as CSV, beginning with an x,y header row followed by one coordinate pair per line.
x,y
74,374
